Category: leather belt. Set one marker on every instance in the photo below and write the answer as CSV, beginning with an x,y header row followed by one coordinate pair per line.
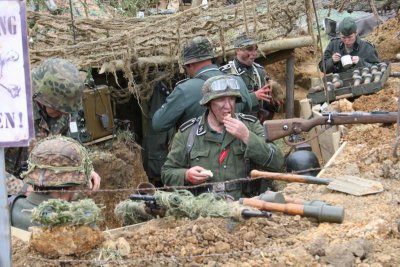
x,y
226,186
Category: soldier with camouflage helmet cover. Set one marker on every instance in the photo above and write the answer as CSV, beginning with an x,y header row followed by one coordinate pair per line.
x,y
58,89
183,103
363,53
57,92
56,163
226,143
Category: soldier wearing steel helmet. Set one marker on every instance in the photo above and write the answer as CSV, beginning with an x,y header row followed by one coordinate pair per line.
x,y
227,143
363,53
57,92
56,166
183,103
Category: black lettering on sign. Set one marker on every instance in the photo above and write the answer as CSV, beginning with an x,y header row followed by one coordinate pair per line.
x,y
8,25
7,120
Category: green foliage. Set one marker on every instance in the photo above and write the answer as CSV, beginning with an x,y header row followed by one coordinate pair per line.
x,y
61,212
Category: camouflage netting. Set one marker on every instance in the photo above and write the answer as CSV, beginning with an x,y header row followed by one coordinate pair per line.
x,y
143,47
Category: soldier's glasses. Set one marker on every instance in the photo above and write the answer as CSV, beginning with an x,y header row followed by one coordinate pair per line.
x,y
223,84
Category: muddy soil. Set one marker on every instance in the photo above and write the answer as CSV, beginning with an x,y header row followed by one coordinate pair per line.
x,y
368,236
120,167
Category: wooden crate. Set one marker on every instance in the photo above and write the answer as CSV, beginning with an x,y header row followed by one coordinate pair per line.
x,y
348,90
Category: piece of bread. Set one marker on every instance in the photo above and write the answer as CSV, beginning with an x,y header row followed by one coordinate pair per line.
x,y
208,172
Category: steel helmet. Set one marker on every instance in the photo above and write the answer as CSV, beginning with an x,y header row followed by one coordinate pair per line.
x,y
219,86
196,50
58,161
302,160
58,85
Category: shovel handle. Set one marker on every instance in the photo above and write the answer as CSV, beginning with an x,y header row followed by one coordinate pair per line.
x,y
288,177
291,209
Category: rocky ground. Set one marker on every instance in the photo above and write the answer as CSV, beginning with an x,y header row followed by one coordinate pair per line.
x,y
368,236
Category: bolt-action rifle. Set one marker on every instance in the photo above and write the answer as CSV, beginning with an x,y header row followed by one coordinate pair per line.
x,y
275,129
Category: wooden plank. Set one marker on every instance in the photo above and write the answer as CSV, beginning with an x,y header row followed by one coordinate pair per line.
x,y
121,230
332,159
20,234
325,137
306,113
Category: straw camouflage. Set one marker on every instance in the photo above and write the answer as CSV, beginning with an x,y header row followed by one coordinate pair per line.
x,y
57,84
58,161
197,49
209,95
347,26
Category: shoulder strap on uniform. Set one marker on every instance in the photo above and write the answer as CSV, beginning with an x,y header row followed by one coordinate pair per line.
x,y
247,117
257,65
186,125
371,44
181,81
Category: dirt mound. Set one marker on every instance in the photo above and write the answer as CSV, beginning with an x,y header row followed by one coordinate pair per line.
x,y
120,167
386,38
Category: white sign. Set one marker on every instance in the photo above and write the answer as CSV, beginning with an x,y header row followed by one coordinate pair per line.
x,y
16,119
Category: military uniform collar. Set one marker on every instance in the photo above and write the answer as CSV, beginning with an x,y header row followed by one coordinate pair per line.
x,y
37,198
240,67
356,45
205,69
203,125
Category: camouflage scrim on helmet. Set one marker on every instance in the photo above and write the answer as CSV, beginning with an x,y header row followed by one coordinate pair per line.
x,y
58,85
209,94
347,26
197,49
243,40
58,161
14,185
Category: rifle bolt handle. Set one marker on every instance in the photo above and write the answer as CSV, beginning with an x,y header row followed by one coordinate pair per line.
x,y
285,127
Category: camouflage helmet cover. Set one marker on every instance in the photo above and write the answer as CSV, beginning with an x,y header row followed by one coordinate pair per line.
x,y
243,40
347,26
58,161
58,85
196,50
209,94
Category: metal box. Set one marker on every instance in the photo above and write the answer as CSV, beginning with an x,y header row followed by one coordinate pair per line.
x,y
97,113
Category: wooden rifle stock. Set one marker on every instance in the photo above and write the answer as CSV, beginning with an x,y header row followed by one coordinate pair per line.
x,y
275,129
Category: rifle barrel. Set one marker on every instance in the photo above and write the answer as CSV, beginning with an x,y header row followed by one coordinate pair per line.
x,y
251,213
275,129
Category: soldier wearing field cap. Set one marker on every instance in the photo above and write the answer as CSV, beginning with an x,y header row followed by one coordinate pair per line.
x,y
183,103
363,53
269,93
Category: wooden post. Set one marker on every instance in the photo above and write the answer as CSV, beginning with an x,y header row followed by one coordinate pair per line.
x,y
289,105
5,236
